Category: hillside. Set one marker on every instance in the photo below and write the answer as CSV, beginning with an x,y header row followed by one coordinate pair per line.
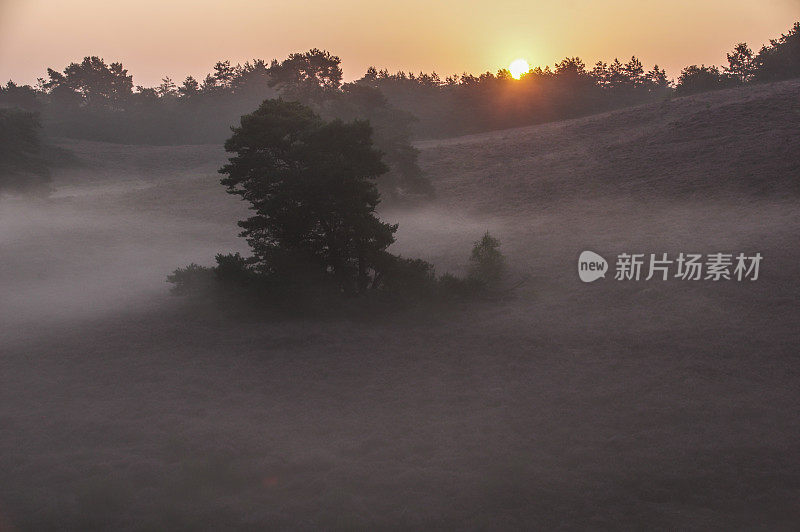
x,y
738,140
646,405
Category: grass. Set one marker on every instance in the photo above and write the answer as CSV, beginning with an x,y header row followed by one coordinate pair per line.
x,y
655,405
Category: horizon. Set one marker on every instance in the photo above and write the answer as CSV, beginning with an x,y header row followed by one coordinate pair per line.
x,y
474,42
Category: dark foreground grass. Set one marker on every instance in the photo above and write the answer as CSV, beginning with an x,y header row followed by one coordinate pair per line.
x,y
658,404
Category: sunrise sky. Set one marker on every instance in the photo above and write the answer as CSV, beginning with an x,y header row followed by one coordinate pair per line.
x,y
156,38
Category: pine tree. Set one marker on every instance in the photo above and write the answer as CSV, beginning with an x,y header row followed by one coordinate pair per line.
x,y
312,186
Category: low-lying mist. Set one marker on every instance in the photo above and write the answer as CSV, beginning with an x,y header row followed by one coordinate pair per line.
x,y
657,404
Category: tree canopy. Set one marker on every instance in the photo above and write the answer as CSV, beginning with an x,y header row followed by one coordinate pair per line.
x,y
312,186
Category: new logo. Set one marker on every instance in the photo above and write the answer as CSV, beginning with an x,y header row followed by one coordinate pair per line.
x,y
591,266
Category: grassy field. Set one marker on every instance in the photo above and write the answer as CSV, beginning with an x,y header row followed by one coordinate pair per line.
x,y
658,405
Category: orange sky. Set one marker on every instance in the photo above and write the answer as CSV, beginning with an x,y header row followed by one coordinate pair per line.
x,y
157,38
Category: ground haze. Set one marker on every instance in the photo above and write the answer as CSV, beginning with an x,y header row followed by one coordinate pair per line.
x,y
567,405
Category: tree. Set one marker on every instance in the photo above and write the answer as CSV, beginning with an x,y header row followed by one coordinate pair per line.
x,y
391,132
254,77
699,79
781,59
23,96
189,88
487,265
224,74
571,67
308,76
167,89
658,80
91,82
740,64
209,85
601,74
634,72
616,74
312,186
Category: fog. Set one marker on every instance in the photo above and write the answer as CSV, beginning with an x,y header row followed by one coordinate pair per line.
x,y
64,260
658,404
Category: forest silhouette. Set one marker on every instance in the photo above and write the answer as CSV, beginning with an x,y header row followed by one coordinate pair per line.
x,y
96,100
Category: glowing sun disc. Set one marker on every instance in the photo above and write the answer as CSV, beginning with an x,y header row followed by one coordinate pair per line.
x,y
518,67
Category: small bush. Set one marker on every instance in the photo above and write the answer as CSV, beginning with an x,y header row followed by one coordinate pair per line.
x,y
236,283
231,272
191,280
487,265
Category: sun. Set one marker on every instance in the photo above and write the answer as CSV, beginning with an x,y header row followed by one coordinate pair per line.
x,y
518,67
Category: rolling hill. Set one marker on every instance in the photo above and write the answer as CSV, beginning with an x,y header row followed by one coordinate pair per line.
x,y
650,404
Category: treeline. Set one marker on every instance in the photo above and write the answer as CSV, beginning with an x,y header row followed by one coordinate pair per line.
x,y
468,104
95,100
780,60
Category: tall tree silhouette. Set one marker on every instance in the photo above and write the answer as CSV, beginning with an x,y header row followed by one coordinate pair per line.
x,y
780,60
312,186
741,65
92,82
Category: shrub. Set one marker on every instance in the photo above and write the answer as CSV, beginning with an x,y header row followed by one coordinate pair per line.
x,y
487,265
295,283
231,271
191,279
